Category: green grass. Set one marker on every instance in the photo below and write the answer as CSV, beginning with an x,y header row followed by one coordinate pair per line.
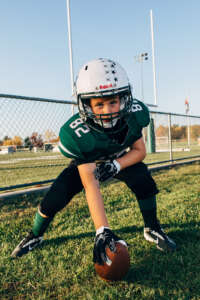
x,y
20,168
62,267
27,167
161,156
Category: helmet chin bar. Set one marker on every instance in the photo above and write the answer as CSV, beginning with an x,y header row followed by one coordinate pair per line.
x,y
98,121
101,120
115,125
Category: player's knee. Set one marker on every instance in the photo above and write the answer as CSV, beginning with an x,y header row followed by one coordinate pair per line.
x,y
144,187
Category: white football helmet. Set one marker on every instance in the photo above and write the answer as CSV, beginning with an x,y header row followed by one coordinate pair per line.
x,y
102,78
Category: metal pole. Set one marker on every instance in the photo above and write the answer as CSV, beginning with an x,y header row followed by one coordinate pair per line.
x,y
187,109
70,50
170,138
142,85
153,58
188,131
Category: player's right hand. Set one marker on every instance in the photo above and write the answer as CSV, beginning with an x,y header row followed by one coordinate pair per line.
x,y
104,238
106,170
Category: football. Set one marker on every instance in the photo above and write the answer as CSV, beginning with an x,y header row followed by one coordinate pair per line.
x,y
118,265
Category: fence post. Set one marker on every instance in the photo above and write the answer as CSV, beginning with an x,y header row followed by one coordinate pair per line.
x,y
188,131
170,138
151,144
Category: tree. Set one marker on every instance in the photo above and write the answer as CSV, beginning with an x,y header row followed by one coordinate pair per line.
x,y
49,136
6,137
36,140
8,142
195,132
178,132
162,131
27,143
55,140
17,140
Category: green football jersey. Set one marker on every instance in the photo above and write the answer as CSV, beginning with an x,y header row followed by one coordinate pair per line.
x,y
79,142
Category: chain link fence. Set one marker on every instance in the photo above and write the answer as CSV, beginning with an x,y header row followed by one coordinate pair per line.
x,y
171,137
29,129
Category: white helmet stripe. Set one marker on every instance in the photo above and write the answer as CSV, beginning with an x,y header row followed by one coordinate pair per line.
x,y
60,145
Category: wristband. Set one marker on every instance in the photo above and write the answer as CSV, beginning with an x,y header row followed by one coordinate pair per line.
x,y
117,165
101,229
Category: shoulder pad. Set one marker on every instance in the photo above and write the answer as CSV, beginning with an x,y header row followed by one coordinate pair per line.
x,y
140,112
75,138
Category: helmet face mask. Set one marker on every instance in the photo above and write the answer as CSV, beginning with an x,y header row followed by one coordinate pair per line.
x,y
103,78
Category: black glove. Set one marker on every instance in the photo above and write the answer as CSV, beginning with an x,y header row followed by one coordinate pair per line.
x,y
104,238
106,170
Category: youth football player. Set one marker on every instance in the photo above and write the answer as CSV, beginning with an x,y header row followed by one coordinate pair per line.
x,y
104,140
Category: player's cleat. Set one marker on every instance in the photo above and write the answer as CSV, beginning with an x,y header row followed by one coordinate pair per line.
x,y
27,244
159,237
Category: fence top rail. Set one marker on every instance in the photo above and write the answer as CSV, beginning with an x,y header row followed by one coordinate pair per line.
x,y
8,96
74,102
174,114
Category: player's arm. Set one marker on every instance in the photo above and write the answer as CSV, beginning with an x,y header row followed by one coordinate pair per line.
x,y
136,154
104,236
93,194
107,170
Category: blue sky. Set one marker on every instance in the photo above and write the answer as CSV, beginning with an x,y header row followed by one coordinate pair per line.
x,y
34,55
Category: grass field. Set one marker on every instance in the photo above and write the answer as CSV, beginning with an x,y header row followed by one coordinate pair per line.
x,y
27,167
20,168
62,267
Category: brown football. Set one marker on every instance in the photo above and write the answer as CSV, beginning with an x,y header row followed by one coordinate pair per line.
x,y
119,264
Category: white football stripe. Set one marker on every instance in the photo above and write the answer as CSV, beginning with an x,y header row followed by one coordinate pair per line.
x,y
66,150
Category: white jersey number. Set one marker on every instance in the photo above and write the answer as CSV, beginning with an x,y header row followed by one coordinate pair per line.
x,y
84,129
136,107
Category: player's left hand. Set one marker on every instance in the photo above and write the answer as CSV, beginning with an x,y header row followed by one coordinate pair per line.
x,y
106,170
104,238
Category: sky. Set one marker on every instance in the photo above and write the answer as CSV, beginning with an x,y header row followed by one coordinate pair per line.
x,y
34,52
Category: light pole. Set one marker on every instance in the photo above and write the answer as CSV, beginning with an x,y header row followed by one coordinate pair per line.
x,y
141,58
153,58
70,51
